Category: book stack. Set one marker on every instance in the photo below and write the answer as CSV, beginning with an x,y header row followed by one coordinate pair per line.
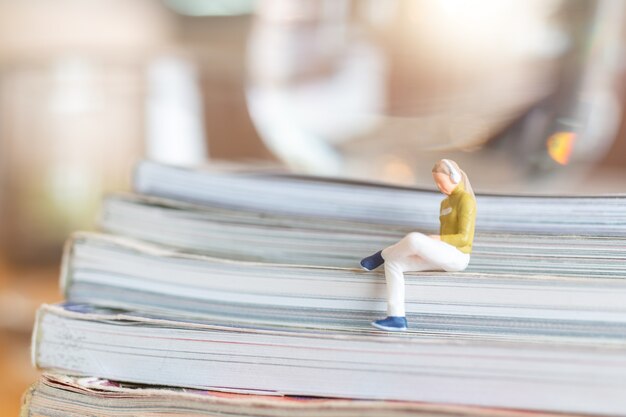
x,y
233,291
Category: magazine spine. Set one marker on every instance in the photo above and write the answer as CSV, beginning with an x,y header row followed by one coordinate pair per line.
x,y
36,336
27,397
65,277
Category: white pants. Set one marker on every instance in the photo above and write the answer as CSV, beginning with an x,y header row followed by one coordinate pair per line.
x,y
417,252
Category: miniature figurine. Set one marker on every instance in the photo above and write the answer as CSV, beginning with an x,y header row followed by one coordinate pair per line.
x,y
449,251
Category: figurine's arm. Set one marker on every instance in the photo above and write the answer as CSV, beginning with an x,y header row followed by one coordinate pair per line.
x,y
466,216
438,236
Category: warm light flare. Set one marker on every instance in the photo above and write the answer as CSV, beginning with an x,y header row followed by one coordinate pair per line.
x,y
560,146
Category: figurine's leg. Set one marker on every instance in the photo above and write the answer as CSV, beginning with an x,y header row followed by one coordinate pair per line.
x,y
394,277
415,263
405,247
407,250
437,253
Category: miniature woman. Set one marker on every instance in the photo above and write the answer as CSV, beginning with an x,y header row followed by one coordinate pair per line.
x,y
449,251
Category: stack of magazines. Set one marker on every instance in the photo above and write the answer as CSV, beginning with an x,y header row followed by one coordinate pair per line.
x,y
238,291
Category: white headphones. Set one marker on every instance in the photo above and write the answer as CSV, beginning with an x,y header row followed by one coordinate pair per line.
x,y
455,176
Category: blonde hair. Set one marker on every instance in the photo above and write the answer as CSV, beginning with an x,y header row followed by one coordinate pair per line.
x,y
443,166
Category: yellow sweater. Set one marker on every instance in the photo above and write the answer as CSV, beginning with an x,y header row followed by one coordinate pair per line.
x,y
457,218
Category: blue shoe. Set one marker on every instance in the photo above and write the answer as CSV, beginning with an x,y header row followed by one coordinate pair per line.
x,y
391,324
373,261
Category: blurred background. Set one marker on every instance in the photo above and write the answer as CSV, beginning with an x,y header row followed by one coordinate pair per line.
x,y
526,95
